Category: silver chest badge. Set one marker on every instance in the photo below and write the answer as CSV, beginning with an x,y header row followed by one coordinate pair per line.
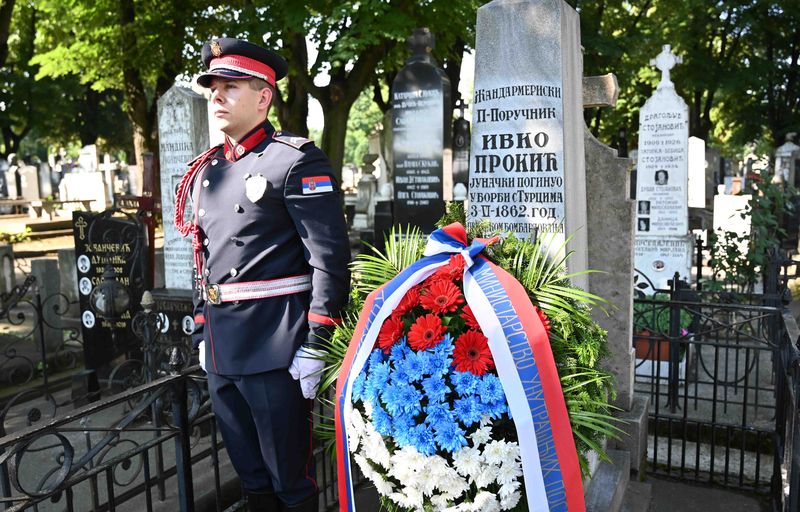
x,y
254,187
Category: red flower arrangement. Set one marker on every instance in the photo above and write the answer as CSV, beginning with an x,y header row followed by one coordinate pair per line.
x,y
442,297
426,332
436,306
471,353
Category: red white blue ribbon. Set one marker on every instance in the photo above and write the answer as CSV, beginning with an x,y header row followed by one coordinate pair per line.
x,y
523,358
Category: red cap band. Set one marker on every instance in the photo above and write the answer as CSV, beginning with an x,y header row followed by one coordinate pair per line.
x,y
244,65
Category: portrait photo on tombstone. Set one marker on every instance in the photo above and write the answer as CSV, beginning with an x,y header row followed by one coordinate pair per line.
x,y
644,224
662,176
644,207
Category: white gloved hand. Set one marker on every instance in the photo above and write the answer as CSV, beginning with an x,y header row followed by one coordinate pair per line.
x,y
202,355
307,367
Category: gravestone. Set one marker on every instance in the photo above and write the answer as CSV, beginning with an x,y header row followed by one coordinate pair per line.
x,y
45,180
8,278
420,134
48,285
712,175
29,182
68,278
461,140
85,185
729,218
663,243
121,242
87,159
527,151
182,135
697,172
3,178
183,132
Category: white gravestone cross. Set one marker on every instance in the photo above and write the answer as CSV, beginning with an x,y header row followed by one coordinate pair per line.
x,y
663,243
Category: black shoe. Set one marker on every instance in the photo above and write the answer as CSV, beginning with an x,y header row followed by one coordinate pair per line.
x,y
264,502
310,505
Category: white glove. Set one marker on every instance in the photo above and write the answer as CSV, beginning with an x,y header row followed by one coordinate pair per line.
x,y
307,367
202,354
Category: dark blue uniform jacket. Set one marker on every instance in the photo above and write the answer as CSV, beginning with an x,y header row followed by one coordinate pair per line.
x,y
295,227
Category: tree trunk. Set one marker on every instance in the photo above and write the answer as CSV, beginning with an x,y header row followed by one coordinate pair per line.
x,y
11,140
293,109
333,135
6,10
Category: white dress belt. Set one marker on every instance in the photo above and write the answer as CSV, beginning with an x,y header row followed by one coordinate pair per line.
x,y
231,292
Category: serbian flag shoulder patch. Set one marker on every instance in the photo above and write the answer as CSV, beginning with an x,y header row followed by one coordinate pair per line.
x,y
317,185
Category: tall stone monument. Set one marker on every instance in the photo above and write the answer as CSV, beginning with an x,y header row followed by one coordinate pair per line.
x,y
663,244
420,133
182,135
527,152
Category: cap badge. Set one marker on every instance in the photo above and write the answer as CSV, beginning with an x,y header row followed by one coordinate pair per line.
x,y
254,187
216,49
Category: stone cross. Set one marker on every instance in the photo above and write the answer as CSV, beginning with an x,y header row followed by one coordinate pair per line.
x,y
665,61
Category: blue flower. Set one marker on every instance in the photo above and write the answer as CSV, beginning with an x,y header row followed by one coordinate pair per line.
x,y
467,410
438,412
449,436
423,439
490,389
412,367
464,383
358,387
376,381
403,427
435,389
399,350
381,420
496,410
402,397
375,358
445,347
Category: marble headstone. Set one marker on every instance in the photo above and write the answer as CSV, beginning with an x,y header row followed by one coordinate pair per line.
x,y
697,172
663,242
420,133
527,151
29,182
182,135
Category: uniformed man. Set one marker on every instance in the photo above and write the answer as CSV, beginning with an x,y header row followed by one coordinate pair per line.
x,y
271,254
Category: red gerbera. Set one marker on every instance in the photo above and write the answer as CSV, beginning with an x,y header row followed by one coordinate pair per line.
x,y
442,297
390,332
544,319
471,353
453,271
426,332
408,302
469,317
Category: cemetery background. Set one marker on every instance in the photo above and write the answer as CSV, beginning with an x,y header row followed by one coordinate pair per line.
x,y
762,125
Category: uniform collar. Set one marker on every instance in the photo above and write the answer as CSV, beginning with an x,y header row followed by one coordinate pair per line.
x,y
257,135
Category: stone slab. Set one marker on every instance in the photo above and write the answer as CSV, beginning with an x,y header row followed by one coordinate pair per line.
x,y
609,483
637,497
8,278
633,440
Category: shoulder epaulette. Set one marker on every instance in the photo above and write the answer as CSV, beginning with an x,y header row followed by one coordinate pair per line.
x,y
291,140
205,154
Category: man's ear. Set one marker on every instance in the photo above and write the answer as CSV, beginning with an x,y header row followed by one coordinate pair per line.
x,y
265,99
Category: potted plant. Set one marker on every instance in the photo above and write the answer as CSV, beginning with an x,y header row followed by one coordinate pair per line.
x,y
651,333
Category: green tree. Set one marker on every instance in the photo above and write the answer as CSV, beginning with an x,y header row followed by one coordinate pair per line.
x,y
365,116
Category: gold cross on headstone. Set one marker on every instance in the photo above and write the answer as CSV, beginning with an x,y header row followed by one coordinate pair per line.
x,y
81,224
665,61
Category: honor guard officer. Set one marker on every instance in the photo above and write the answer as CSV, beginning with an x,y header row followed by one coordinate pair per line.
x,y
271,256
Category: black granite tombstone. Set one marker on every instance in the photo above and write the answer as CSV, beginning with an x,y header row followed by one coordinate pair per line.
x,y
109,240
420,132
461,140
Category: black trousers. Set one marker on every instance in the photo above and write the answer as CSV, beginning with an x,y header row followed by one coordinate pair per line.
x,y
265,423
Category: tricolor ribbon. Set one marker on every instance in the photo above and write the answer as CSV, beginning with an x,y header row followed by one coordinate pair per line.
x,y
525,365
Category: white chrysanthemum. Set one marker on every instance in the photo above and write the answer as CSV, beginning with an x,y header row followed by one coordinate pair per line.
x,y
508,489
495,452
481,436
411,498
374,447
453,486
508,473
368,408
439,502
383,486
403,464
467,461
486,420
485,502
356,430
510,501
487,475
365,466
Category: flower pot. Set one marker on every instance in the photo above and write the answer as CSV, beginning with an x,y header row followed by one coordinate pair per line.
x,y
652,357
651,346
